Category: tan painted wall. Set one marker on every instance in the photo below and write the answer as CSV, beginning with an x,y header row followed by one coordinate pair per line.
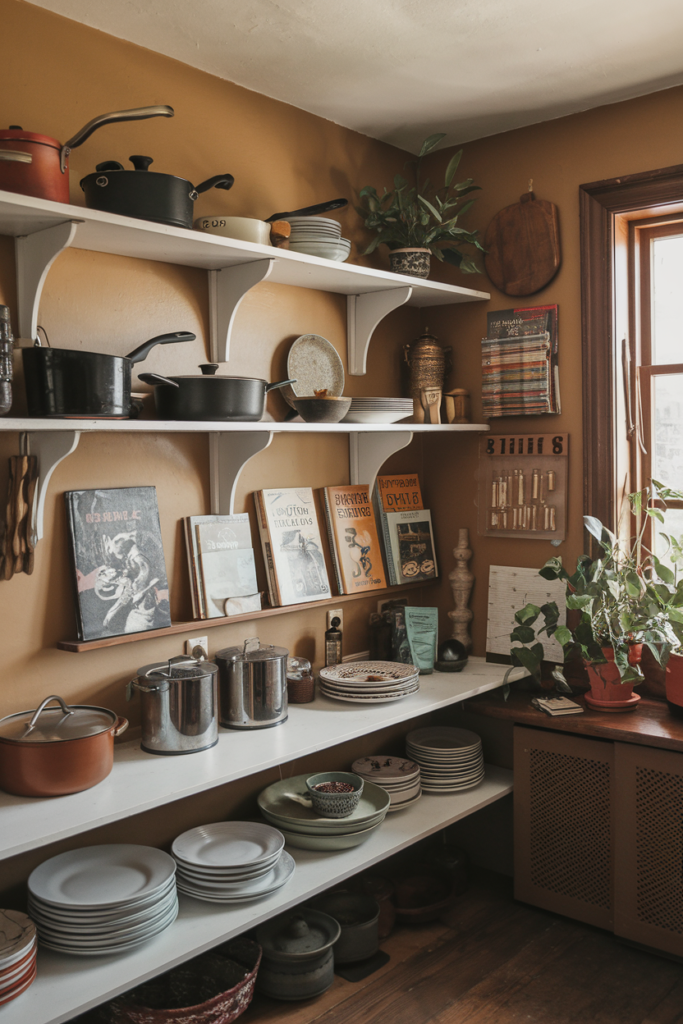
x,y
560,155
58,74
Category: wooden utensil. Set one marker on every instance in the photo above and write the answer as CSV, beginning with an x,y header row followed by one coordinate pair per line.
x,y
19,539
31,479
523,246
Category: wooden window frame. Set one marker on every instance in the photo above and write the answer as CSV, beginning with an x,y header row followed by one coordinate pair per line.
x,y
606,210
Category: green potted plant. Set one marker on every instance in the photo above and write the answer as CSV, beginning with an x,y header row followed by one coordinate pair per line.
x,y
625,599
417,221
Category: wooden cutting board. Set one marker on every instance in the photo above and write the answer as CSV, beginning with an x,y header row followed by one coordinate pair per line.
x,y
523,246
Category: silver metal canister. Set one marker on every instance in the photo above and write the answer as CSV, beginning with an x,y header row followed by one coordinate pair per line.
x,y
252,685
179,705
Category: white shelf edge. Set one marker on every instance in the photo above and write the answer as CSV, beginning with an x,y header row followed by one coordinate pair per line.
x,y
140,782
25,423
68,985
127,236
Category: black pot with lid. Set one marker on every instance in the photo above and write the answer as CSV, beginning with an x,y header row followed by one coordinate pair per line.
x,y
298,962
148,195
210,396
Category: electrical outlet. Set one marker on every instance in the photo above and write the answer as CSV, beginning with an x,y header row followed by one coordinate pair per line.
x,y
193,643
336,613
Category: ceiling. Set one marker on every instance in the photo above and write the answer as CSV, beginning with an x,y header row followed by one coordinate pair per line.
x,y
398,70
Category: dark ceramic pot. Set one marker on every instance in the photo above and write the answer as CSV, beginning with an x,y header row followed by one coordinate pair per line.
x,y
413,262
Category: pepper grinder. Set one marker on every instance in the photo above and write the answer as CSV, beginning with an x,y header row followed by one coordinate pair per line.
x,y
6,349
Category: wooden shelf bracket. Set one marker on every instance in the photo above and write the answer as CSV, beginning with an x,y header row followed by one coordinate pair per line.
x,y
34,255
51,449
227,288
363,313
228,455
369,452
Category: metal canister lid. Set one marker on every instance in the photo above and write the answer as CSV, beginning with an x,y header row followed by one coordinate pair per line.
x,y
256,652
54,725
180,667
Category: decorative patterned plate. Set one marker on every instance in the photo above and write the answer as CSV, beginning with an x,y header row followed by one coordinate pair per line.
x,y
358,671
381,768
315,363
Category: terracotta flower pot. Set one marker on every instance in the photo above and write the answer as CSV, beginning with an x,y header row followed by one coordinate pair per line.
x,y
674,684
413,262
605,680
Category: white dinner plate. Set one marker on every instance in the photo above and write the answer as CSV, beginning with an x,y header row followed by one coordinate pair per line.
x,y
228,875
442,737
104,929
101,876
89,916
229,844
405,803
388,671
254,888
336,827
358,416
105,945
369,700
99,951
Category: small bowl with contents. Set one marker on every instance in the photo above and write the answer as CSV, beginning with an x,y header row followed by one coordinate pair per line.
x,y
321,407
331,794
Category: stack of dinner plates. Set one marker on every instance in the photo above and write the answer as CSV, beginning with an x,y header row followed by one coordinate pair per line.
x,y
319,236
303,828
232,861
397,775
369,682
379,410
103,899
450,759
17,954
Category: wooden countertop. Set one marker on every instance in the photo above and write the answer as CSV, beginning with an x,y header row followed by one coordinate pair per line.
x,y
650,724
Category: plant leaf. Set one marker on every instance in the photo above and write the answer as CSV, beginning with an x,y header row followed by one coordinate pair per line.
x,y
452,167
429,143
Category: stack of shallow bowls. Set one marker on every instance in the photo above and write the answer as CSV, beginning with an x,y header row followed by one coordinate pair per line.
x,y
319,236
100,900
17,954
397,775
369,682
232,861
303,828
379,410
450,759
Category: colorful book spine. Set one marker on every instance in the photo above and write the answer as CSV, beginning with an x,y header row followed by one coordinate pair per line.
x,y
394,494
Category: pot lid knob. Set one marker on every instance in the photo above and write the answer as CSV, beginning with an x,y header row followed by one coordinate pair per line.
x,y
141,163
15,128
209,369
298,927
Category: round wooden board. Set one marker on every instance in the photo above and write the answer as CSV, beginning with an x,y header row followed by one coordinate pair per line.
x,y
523,246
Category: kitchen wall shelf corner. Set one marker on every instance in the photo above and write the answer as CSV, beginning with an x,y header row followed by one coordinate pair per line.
x,y
232,445
70,985
195,625
43,229
140,782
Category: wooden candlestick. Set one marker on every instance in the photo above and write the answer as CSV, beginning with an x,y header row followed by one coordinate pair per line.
x,y
461,581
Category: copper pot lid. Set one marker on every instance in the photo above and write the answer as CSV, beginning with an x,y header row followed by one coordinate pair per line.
x,y
55,725
302,935
253,650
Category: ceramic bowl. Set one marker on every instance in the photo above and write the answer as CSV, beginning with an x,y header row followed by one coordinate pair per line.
x,y
245,229
328,409
334,805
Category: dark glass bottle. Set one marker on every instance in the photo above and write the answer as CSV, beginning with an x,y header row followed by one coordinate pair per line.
x,y
6,349
333,643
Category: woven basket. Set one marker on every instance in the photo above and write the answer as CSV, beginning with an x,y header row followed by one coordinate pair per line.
x,y
301,691
215,988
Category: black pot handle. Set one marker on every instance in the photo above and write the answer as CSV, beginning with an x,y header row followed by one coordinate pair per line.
x,y
224,181
156,378
309,211
142,351
279,384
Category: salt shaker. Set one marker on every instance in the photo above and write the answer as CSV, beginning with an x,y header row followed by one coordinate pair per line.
x,y
6,349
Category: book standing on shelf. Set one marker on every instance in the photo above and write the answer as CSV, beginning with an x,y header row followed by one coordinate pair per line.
x,y
118,558
412,545
292,547
394,494
221,563
354,541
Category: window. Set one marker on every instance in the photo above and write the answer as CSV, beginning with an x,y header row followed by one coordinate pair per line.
x,y
657,275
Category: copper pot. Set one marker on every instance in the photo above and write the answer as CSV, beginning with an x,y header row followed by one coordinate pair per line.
x,y
55,751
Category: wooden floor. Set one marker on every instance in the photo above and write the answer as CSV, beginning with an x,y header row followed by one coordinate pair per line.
x,y
494,961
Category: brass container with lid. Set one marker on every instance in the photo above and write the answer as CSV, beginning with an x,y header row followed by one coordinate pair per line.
x,y
428,362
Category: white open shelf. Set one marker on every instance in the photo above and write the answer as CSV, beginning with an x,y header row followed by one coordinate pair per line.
x,y
44,229
44,425
68,985
141,781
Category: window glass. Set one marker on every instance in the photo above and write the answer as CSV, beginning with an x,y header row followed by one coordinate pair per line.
x,y
667,275
673,526
667,453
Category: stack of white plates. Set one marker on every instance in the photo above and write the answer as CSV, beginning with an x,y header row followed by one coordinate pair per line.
x,y
319,236
397,775
369,682
302,827
103,899
232,861
17,954
450,759
379,410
